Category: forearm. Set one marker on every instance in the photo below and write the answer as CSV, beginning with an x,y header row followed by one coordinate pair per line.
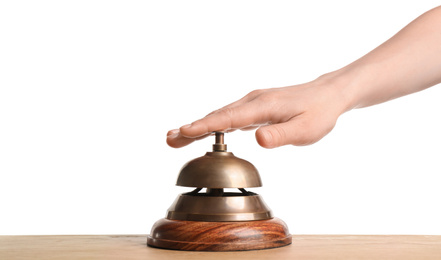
x,y
408,62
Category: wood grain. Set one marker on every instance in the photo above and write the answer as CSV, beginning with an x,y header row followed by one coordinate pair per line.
x,y
305,247
219,236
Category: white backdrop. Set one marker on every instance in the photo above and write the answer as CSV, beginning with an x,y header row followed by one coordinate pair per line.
x,y
88,90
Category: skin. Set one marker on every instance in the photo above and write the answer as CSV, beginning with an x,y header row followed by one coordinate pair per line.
x,y
408,62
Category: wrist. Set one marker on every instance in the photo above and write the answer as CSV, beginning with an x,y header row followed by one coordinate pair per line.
x,y
343,86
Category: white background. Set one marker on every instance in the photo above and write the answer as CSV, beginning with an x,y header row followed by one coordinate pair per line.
x,y
88,90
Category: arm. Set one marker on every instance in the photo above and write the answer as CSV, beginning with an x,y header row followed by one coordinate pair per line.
x,y
302,114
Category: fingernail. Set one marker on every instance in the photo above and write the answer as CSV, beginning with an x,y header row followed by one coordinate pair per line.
x,y
173,132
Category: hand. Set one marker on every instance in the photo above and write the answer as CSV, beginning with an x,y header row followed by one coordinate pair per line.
x,y
297,115
300,115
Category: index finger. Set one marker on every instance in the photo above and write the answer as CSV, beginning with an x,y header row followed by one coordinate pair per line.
x,y
226,119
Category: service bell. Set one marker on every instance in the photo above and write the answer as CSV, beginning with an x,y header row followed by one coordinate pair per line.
x,y
216,220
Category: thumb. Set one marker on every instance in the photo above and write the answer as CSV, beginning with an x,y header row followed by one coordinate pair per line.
x,y
300,130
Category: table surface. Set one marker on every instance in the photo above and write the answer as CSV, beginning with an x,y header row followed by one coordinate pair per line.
x,y
304,247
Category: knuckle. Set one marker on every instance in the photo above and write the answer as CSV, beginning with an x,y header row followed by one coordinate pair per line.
x,y
228,112
269,98
279,135
255,93
228,115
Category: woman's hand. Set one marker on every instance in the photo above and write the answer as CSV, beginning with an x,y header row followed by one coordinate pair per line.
x,y
297,115
408,62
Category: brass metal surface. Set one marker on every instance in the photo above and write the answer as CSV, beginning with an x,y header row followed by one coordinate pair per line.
x,y
229,207
219,146
219,170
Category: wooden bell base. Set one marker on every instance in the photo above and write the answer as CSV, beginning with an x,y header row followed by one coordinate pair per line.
x,y
219,236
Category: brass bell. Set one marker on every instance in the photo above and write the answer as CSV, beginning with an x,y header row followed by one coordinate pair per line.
x,y
216,220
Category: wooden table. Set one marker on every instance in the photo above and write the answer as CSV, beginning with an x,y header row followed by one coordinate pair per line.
x,y
304,247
